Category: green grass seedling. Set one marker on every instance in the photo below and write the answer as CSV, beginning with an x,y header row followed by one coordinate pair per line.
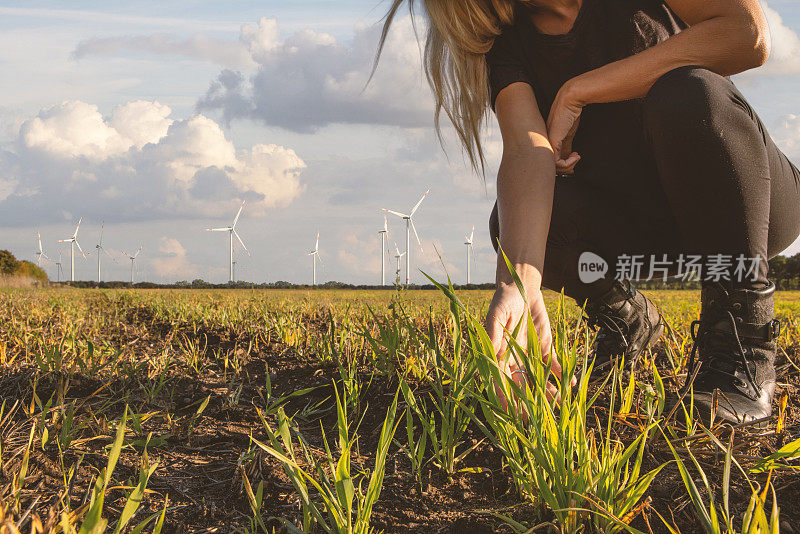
x,y
451,399
348,509
716,518
553,456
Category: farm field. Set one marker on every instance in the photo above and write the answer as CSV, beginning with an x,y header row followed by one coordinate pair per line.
x,y
353,411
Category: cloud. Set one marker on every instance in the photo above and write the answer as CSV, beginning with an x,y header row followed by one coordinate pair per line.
x,y
785,49
301,82
72,129
141,122
139,163
99,17
226,53
310,80
360,255
173,262
787,135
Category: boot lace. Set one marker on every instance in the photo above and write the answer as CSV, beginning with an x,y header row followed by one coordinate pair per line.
x,y
612,333
718,345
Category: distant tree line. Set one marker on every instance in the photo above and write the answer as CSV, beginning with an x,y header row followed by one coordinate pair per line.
x,y
202,284
11,266
784,271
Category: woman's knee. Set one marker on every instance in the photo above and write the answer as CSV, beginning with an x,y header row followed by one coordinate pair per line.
x,y
686,97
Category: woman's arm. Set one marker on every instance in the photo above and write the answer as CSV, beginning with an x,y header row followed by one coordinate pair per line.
x,y
725,36
525,185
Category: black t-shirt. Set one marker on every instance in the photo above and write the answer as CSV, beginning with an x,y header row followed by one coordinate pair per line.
x,y
604,31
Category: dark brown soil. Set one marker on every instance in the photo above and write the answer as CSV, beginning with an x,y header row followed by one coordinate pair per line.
x,y
200,470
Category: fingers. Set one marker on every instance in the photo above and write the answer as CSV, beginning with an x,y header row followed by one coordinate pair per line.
x,y
567,165
495,330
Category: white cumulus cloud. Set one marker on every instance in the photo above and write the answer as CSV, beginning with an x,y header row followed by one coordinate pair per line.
x,y
139,163
785,49
310,79
72,129
303,81
173,262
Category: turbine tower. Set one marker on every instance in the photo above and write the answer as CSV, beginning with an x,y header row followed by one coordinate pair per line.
x,y
384,249
314,254
99,248
398,256
58,268
470,251
72,242
410,224
232,232
40,255
133,259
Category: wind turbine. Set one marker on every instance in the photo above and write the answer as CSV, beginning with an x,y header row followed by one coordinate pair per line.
x,y
384,249
314,253
133,259
397,257
99,248
72,242
410,223
470,251
40,255
58,268
232,232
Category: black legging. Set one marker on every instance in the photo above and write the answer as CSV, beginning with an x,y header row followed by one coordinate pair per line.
x,y
689,169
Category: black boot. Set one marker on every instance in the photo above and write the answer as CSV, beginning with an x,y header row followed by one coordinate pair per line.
x,y
627,324
734,345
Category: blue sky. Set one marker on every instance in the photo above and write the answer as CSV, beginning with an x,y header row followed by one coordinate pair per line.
x,y
126,112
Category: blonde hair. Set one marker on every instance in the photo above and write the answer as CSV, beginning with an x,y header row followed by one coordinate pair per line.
x,y
460,33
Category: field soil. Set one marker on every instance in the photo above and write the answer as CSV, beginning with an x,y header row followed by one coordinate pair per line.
x,y
204,458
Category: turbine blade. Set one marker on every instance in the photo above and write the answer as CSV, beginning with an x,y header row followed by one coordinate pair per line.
x,y
39,237
102,227
242,242
403,215
66,240
316,247
137,252
396,249
218,229
416,235
109,255
236,219
78,227
79,248
472,234
385,224
416,206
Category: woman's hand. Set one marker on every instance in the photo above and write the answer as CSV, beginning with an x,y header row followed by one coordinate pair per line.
x,y
505,311
565,115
